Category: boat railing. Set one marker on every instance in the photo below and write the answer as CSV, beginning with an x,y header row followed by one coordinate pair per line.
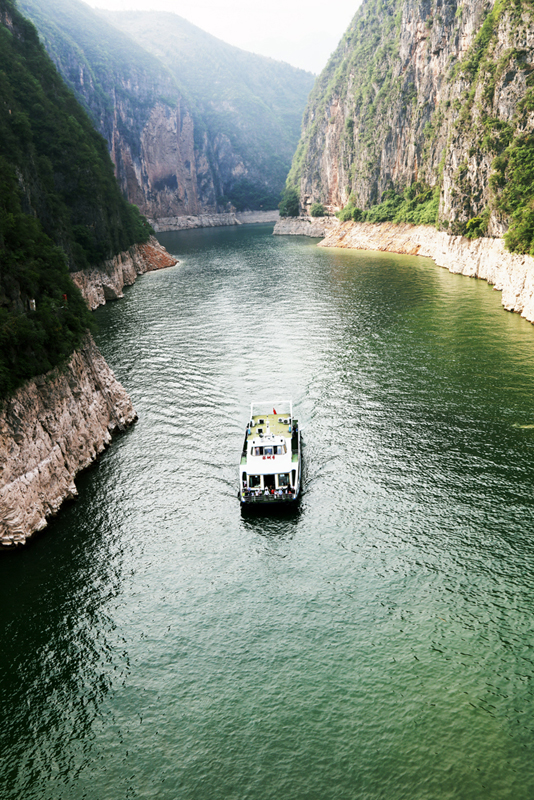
x,y
267,498
282,408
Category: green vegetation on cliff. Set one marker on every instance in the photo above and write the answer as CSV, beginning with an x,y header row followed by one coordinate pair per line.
x,y
514,177
60,207
289,204
42,313
64,169
510,142
409,124
418,204
317,210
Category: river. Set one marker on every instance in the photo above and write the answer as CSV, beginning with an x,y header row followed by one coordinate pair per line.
x,y
375,643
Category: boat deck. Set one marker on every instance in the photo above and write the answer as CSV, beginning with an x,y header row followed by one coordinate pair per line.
x,y
275,427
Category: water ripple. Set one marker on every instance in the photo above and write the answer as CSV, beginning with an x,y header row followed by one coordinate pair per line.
x,y
375,642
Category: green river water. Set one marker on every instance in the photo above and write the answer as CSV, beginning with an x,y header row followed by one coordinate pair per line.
x,y
377,642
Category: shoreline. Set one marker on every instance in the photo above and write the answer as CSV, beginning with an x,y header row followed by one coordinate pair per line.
x,y
510,273
164,224
106,281
58,423
51,429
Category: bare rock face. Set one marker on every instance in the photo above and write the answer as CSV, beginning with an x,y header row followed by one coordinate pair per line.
x,y
213,220
485,258
306,226
163,173
52,428
420,91
106,281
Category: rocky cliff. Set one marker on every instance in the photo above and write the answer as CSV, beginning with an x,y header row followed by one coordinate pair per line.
x,y
428,94
106,281
135,103
61,213
181,146
50,429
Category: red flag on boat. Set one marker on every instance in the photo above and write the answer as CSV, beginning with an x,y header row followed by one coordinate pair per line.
x,y
274,410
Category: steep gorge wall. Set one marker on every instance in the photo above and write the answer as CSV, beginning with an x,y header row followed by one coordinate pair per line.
x,y
422,90
162,164
50,429
177,152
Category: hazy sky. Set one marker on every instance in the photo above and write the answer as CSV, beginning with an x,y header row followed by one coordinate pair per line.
x,y
301,33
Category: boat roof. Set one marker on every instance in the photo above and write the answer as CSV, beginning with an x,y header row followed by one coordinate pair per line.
x,y
272,429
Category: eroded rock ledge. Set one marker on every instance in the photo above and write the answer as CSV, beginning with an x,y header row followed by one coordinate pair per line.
x,y
52,428
485,258
306,226
107,281
213,220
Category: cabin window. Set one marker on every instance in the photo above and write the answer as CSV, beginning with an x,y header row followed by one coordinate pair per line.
x,y
283,479
268,451
254,481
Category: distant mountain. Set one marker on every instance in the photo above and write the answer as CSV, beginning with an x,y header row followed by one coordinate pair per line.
x,y
60,206
247,102
192,123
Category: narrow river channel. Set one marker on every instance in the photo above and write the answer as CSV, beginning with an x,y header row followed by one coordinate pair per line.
x,y
378,642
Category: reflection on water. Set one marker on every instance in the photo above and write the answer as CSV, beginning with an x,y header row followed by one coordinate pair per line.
x,y
374,642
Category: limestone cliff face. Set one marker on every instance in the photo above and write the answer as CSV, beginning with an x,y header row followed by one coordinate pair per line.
x,y
163,162
106,281
181,146
420,90
52,428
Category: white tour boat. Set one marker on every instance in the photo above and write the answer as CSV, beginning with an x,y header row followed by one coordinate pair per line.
x,y
270,462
